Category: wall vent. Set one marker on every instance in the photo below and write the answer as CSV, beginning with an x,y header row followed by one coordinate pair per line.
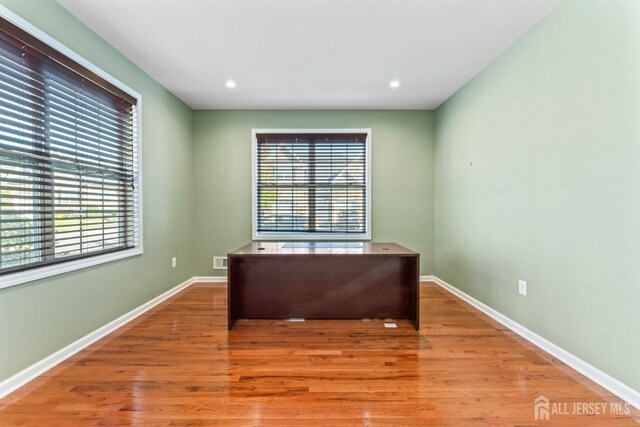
x,y
219,262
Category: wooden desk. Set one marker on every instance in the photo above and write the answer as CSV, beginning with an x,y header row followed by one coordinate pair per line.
x,y
269,281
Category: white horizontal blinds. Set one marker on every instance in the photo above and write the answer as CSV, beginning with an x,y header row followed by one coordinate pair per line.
x,y
311,183
68,164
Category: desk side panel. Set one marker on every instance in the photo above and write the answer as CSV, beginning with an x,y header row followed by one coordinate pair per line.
x,y
412,280
233,285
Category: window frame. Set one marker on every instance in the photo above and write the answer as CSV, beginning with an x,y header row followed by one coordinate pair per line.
x,y
266,236
17,278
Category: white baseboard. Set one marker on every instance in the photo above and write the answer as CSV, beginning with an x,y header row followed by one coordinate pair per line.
x,y
209,279
23,377
616,387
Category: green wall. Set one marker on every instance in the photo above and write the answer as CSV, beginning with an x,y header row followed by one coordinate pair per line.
x,y
39,318
552,128
401,175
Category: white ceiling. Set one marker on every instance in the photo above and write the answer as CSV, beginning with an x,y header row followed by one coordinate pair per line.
x,y
311,53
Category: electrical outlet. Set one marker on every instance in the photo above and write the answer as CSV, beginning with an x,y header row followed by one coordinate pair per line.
x,y
522,287
174,262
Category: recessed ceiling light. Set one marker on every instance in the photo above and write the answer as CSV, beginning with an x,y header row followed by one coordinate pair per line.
x,y
230,84
394,84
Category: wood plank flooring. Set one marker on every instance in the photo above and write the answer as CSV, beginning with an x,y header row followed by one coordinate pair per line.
x,y
178,366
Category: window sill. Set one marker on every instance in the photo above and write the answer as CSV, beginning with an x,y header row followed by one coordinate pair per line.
x,y
311,236
19,278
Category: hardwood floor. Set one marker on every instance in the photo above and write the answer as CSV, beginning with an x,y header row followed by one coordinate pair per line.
x,y
178,366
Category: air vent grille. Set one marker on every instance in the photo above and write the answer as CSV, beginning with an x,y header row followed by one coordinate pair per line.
x,y
219,262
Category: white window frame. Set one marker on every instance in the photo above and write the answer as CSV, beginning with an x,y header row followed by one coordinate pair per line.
x,y
307,236
13,279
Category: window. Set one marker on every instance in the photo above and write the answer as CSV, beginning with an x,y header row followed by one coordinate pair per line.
x,y
68,160
311,184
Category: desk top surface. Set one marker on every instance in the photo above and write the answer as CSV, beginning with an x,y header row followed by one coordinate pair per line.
x,y
276,248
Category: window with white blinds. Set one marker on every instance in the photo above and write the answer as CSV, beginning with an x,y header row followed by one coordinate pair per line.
x,y
68,158
311,185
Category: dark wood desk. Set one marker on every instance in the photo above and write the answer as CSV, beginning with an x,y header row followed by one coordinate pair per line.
x,y
269,281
